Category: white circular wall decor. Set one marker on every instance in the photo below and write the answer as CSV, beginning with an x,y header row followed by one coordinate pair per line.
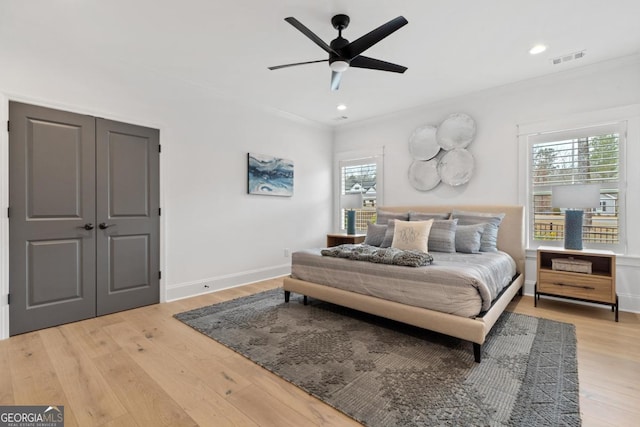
x,y
423,175
439,153
456,167
456,131
423,144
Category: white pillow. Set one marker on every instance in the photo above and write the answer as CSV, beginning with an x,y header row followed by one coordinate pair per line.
x,y
412,235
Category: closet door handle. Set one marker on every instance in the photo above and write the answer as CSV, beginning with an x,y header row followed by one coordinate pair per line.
x,y
88,226
104,225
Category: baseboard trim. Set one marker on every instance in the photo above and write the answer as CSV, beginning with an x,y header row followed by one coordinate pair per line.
x,y
4,322
205,286
629,303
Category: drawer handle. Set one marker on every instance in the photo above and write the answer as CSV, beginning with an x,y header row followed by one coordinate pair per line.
x,y
574,286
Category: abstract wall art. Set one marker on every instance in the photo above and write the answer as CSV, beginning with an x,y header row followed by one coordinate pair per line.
x,y
268,175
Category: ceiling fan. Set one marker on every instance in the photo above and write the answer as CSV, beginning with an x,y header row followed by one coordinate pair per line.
x,y
343,54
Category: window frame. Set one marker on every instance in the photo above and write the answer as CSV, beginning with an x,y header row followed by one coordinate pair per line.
x,y
613,121
354,158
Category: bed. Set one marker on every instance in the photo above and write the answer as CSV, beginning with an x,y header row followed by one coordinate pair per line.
x,y
471,323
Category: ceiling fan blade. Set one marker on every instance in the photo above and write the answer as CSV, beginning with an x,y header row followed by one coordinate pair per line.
x,y
277,67
310,34
376,64
358,46
335,80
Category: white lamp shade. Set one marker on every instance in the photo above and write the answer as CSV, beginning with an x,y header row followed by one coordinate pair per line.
x,y
576,196
351,201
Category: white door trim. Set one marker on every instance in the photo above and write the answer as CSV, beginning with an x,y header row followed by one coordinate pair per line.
x,y
4,220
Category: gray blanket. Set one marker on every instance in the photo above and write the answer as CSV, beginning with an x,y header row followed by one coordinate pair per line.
x,y
391,256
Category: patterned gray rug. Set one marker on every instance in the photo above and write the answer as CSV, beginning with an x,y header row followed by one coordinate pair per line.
x,y
384,373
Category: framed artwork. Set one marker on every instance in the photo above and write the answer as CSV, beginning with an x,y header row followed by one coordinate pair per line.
x,y
270,176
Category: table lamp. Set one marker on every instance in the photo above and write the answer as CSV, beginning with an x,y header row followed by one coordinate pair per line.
x,y
574,198
349,202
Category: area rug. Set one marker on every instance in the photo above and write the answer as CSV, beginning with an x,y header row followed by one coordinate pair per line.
x,y
384,373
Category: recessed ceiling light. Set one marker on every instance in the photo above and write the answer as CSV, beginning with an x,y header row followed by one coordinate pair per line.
x,y
539,48
342,107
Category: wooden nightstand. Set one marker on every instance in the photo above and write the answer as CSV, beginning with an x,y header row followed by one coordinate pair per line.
x,y
335,239
599,286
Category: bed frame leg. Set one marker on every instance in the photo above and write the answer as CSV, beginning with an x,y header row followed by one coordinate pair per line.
x,y
304,300
477,352
287,295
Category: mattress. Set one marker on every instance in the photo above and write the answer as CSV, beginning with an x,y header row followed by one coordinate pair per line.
x,y
457,283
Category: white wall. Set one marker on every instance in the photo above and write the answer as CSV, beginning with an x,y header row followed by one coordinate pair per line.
x,y
219,235
214,234
497,113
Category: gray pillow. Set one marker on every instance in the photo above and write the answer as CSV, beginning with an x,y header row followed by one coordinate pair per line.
x,y
442,237
425,216
468,238
491,221
388,235
383,217
375,234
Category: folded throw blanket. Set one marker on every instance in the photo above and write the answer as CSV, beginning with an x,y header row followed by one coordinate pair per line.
x,y
378,255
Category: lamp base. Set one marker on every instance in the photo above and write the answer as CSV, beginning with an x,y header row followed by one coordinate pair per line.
x,y
351,222
573,229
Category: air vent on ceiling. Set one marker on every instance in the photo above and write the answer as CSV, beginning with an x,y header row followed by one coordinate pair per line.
x,y
340,118
568,57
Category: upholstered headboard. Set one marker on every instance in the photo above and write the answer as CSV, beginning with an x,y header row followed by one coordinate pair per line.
x,y
510,233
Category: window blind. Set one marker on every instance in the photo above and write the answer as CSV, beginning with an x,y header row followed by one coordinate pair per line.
x,y
360,176
578,160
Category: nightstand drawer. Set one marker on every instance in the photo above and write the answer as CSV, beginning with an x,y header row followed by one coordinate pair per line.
x,y
576,285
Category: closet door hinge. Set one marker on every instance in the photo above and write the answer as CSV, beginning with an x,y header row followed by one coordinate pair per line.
x,y
8,126
159,211
8,299
159,274
159,148
8,212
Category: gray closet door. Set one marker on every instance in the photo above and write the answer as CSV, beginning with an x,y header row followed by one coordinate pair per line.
x,y
127,197
84,217
52,271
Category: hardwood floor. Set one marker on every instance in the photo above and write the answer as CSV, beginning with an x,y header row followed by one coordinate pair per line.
x,y
144,368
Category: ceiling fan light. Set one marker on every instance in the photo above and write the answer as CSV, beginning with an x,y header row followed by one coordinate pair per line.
x,y
339,66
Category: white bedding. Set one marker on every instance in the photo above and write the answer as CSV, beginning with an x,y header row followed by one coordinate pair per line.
x,y
457,283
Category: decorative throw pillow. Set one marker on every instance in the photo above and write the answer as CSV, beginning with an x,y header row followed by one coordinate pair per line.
x,y
442,237
383,217
388,235
412,235
375,234
468,238
492,222
425,216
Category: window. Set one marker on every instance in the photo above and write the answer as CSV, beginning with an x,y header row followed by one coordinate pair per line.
x,y
582,156
360,177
